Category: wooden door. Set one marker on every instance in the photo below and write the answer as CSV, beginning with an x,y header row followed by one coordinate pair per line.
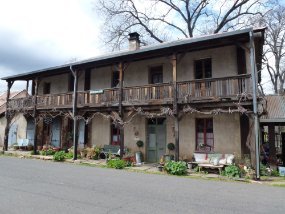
x,y
156,139
55,135
12,136
30,130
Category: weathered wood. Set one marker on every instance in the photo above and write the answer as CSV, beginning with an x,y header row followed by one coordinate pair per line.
x,y
121,111
35,115
74,112
7,116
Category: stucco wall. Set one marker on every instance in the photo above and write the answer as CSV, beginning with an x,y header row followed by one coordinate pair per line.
x,y
100,134
18,120
134,131
223,64
226,134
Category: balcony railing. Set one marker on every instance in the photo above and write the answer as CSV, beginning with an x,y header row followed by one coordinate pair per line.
x,y
187,91
214,88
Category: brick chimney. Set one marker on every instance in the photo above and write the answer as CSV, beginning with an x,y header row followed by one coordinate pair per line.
x,y
134,41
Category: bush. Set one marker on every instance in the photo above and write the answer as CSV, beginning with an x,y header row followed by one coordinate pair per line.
x,y
33,153
68,155
59,156
48,152
175,168
275,173
232,171
116,163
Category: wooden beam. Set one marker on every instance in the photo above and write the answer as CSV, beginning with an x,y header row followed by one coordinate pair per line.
x,y
8,117
35,115
175,106
74,112
121,110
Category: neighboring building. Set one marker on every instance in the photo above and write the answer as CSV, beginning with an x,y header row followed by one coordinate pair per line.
x,y
18,126
273,130
166,91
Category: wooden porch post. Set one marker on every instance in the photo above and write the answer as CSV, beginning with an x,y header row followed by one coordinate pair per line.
x,y
74,111
8,117
121,111
35,115
272,150
175,106
255,104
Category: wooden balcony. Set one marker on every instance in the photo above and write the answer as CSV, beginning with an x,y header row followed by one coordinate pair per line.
x,y
156,94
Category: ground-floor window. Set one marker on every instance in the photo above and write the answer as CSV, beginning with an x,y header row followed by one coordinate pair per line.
x,y
115,135
204,134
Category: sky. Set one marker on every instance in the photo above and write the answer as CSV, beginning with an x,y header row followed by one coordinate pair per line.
x,y
39,34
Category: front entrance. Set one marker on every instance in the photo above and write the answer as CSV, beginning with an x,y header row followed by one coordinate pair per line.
x,y
156,139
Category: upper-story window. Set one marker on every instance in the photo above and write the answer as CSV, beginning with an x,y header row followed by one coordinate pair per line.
x,y
203,68
156,74
115,78
46,88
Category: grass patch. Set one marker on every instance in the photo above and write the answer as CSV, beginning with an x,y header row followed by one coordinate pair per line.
x,y
278,185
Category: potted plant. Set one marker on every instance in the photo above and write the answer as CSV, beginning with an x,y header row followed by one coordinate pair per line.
x,y
170,147
139,153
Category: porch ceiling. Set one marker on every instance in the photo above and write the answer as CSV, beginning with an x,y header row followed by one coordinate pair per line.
x,y
164,49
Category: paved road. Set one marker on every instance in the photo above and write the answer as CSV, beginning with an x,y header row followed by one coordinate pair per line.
x,y
35,186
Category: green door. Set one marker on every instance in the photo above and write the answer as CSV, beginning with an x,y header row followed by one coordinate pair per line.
x,y
156,139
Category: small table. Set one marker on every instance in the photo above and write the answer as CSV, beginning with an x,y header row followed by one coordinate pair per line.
x,y
210,166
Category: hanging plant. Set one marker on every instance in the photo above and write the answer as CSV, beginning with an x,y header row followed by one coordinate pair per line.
x,y
140,143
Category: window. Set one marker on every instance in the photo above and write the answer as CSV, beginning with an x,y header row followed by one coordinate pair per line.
x,y
46,88
115,79
115,135
203,68
204,134
156,74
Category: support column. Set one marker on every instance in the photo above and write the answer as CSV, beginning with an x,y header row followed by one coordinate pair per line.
x,y
255,103
175,106
272,150
7,116
121,110
74,112
35,115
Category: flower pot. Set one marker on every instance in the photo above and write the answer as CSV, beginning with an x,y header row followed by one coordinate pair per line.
x,y
160,168
139,157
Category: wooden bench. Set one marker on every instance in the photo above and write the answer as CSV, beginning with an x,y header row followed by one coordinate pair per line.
x,y
210,166
110,149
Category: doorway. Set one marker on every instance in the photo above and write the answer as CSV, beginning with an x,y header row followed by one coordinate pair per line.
x,y
156,139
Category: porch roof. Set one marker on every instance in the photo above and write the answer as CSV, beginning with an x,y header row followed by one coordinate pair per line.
x,y
163,49
275,109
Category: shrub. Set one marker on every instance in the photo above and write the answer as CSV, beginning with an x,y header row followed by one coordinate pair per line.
x,y
59,156
33,153
68,155
232,171
116,163
275,173
170,146
47,152
176,168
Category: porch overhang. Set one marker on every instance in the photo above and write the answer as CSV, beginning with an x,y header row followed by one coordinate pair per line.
x,y
164,49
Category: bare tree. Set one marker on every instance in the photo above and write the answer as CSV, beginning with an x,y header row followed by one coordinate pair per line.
x,y
274,57
161,20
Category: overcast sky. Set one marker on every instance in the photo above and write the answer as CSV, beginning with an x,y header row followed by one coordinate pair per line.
x,y
36,34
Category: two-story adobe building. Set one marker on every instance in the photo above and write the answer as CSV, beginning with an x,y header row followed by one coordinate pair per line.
x,y
195,93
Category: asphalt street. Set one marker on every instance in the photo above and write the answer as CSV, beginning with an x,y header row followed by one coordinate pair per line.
x,y
34,186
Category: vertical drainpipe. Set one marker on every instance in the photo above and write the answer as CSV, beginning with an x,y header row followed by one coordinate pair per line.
x,y
74,112
256,119
8,118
